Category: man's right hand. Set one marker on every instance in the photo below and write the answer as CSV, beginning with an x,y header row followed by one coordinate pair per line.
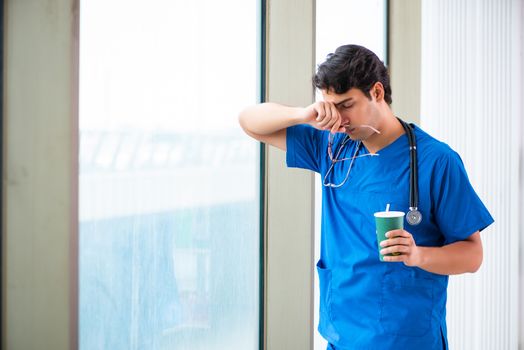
x,y
323,116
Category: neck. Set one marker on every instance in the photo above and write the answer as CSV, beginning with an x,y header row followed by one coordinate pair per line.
x,y
390,129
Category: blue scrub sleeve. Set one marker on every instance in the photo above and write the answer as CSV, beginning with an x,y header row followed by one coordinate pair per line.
x,y
458,210
305,146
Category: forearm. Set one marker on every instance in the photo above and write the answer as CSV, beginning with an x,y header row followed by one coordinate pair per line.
x,y
267,118
453,259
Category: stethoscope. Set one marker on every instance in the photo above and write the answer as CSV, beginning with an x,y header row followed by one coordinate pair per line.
x,y
413,217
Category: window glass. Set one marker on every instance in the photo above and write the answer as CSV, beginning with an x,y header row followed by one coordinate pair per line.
x,y
169,184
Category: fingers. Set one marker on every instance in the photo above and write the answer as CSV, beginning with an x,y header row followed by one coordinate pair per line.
x,y
338,121
398,233
396,249
321,114
328,117
401,247
397,258
324,115
395,241
398,243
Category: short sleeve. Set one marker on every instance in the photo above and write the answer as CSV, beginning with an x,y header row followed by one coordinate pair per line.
x,y
304,147
458,210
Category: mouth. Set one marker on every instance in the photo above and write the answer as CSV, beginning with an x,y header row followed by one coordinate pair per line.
x,y
349,129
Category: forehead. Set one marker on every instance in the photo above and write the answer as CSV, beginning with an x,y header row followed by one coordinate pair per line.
x,y
331,96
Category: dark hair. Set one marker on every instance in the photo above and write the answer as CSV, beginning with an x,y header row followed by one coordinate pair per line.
x,y
352,66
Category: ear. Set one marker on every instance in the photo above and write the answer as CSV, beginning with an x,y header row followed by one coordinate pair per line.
x,y
377,91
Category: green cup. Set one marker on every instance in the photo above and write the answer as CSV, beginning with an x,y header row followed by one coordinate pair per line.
x,y
387,221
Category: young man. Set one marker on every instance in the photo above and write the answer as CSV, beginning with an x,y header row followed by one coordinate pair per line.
x,y
363,154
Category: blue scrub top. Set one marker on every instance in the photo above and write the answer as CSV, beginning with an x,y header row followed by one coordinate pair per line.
x,y
366,303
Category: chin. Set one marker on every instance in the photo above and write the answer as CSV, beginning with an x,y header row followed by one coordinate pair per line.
x,y
358,137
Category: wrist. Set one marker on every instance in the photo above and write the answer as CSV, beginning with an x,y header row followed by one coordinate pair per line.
x,y
305,115
422,257
301,115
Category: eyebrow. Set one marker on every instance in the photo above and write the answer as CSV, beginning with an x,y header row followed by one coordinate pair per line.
x,y
343,101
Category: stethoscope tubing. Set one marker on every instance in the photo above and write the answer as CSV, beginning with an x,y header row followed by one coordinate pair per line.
x,y
413,173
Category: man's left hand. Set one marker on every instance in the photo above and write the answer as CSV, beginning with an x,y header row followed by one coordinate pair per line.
x,y
401,241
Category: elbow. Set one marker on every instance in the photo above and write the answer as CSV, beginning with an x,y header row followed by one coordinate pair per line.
x,y
475,252
477,261
241,119
242,122
475,267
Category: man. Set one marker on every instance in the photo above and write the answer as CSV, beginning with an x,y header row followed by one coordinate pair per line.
x,y
363,155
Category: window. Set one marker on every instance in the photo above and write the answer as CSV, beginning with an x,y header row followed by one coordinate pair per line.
x,y
169,185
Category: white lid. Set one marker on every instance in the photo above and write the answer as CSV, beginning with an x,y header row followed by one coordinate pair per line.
x,y
389,214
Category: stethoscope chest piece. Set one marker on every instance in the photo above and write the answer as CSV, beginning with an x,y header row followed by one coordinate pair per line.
x,y
414,217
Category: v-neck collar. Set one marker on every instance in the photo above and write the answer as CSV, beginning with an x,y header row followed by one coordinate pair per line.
x,y
388,148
